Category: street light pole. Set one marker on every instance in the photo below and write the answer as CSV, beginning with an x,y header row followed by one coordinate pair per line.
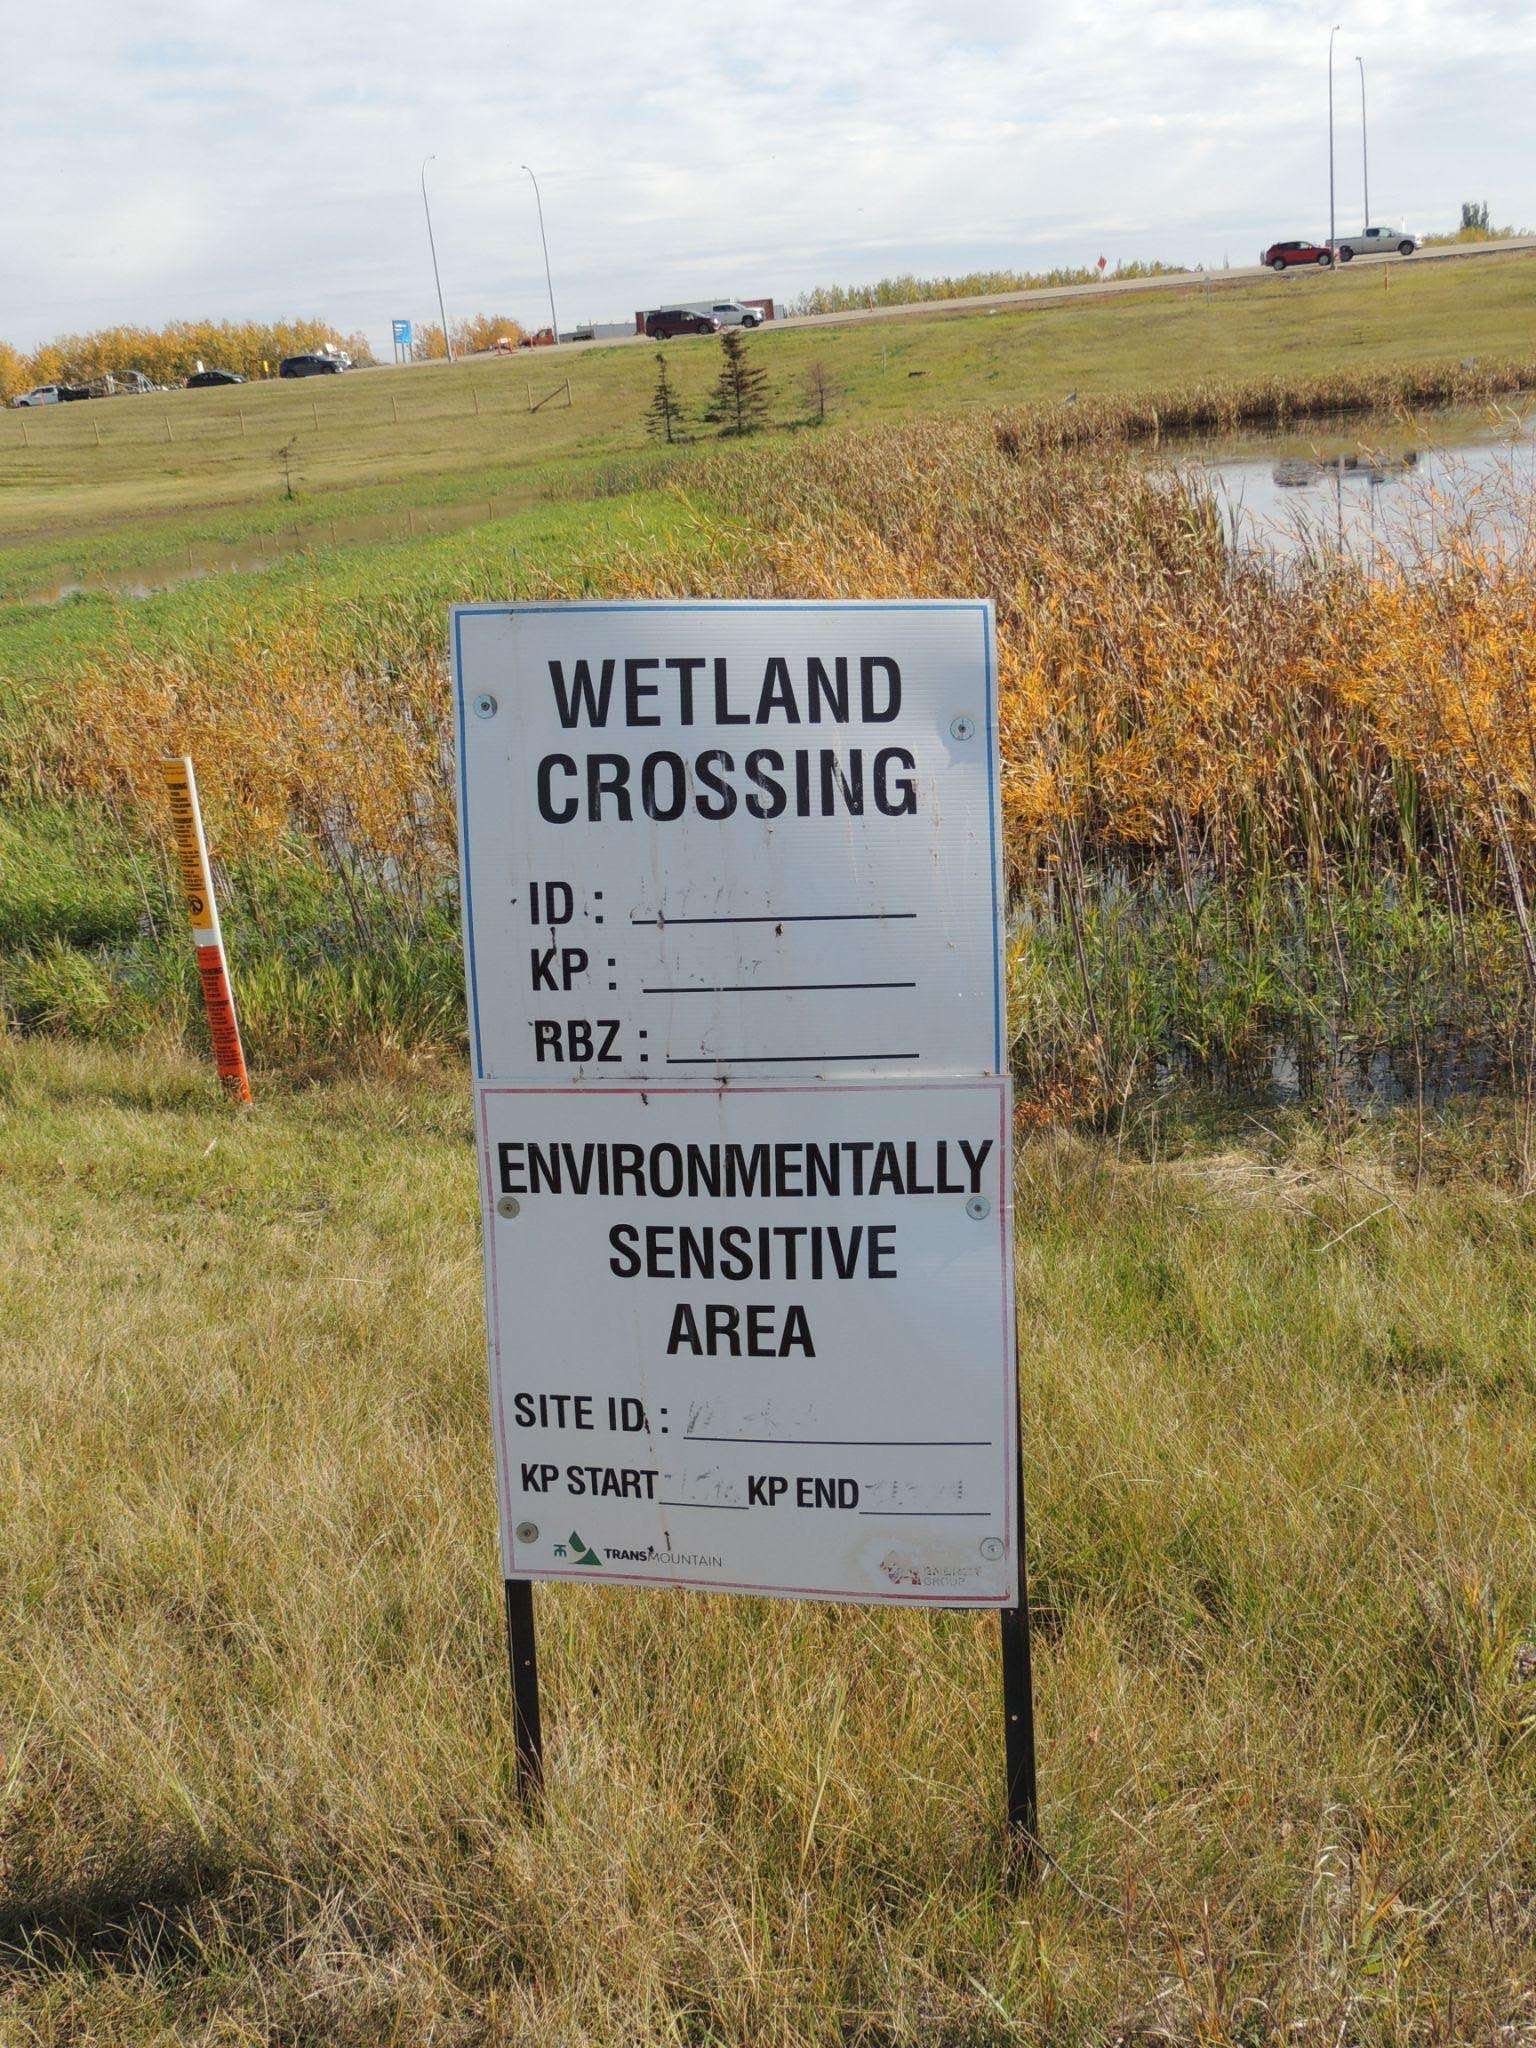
x,y
432,245
554,324
1332,221
1365,152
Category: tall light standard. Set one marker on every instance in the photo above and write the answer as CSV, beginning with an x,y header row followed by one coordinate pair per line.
x,y
1331,218
1365,154
554,324
432,245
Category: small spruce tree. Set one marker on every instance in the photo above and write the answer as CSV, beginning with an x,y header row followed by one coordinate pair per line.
x,y
740,401
664,414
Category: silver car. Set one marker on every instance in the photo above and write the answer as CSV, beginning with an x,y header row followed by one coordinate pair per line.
x,y
1375,242
732,313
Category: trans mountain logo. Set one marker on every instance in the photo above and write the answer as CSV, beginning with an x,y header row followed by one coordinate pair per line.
x,y
581,1552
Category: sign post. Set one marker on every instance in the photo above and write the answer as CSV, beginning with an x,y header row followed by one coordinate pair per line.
x,y
733,934
207,936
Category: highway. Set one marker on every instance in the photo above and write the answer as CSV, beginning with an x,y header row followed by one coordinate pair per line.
x,y
1111,287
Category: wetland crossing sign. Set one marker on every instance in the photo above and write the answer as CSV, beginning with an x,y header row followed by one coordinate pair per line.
x,y
734,954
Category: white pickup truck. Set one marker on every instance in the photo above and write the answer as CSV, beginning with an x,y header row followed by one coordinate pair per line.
x,y
1375,242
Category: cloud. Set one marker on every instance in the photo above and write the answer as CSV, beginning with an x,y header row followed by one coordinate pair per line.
x,y
166,160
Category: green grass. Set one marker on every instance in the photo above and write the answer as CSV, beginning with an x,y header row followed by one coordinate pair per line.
x,y
257,1742
464,436
516,551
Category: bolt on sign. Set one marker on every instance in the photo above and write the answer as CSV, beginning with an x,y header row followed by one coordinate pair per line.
x,y
733,934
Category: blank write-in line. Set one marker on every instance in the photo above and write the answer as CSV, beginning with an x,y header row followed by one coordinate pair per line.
x,y
847,1443
730,1507
779,1059
933,1514
789,917
768,988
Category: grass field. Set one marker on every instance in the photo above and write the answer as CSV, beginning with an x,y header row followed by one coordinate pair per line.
x,y
201,470
255,1742
41,645
257,1747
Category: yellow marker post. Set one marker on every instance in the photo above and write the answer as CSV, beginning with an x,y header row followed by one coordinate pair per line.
x,y
203,911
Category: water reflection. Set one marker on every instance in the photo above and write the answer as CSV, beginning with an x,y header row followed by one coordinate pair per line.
x,y
1299,1072
1379,490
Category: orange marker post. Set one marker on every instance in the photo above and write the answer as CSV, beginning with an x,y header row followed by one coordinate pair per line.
x,y
212,968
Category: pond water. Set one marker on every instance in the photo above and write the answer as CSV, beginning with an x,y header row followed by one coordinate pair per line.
x,y
1448,1068
1378,488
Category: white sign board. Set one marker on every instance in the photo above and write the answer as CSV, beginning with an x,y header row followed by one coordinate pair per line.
x,y
728,841
732,929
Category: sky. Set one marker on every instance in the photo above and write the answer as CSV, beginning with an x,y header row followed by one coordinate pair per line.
x,y
250,161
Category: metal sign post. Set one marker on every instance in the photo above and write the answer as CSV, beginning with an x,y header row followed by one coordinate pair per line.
x,y
733,935
1022,1803
523,1669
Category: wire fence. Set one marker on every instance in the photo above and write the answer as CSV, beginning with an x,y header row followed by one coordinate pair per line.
x,y
172,418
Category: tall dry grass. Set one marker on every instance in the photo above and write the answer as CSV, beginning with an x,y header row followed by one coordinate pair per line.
x,y
1161,696
254,1711
1317,780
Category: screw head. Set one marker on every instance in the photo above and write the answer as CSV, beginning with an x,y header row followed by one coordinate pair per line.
x,y
485,705
978,1208
962,728
528,1532
991,1547
508,1206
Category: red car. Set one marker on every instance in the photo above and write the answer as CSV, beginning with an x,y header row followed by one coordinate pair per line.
x,y
1286,255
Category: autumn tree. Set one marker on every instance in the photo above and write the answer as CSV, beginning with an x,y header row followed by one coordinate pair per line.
x,y
13,373
473,335
168,354
740,401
